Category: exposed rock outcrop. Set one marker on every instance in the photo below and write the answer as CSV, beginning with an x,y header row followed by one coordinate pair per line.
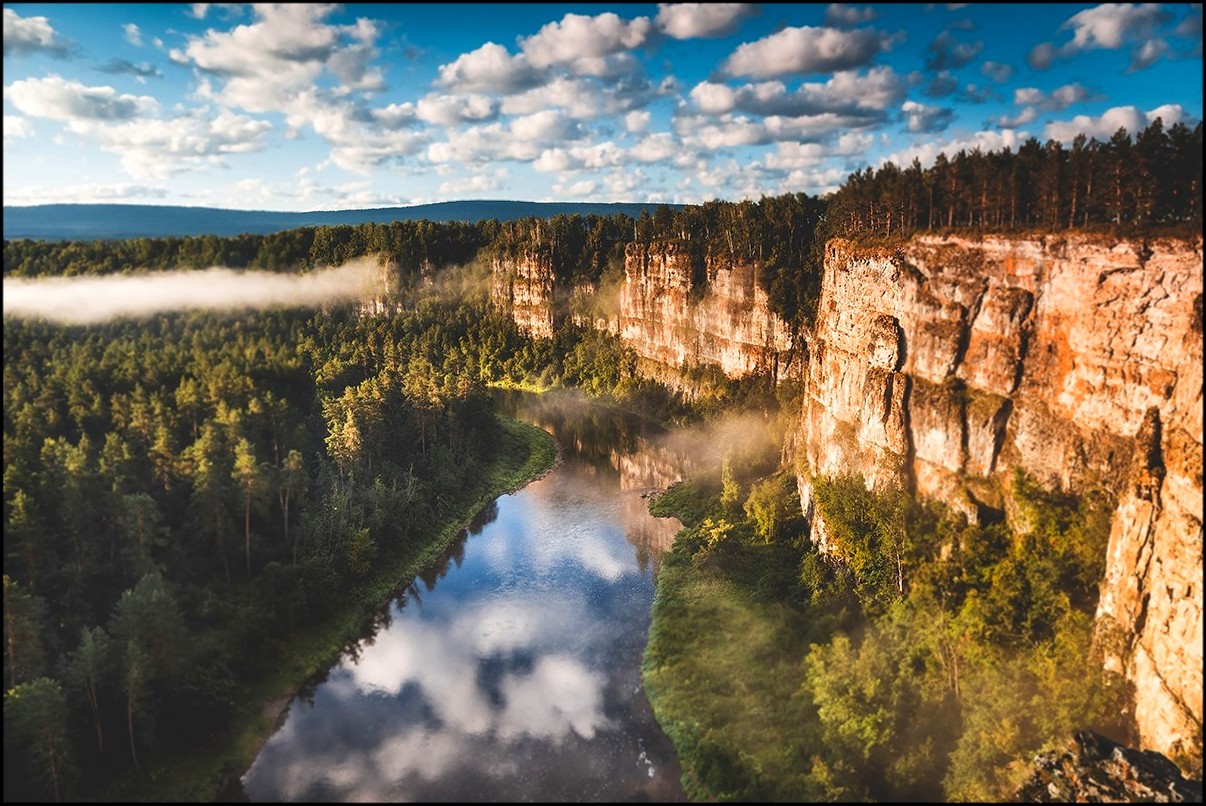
x,y
946,364
1096,770
665,314
523,288
728,322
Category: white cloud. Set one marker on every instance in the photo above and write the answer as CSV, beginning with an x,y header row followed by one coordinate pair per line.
x,y
1109,26
582,189
922,119
701,20
847,93
805,50
1021,119
141,72
56,98
1059,99
1104,126
584,98
452,110
79,194
655,148
16,126
637,122
26,35
844,14
727,131
478,183
984,140
157,149
1148,54
523,139
150,148
584,44
490,68
265,65
133,35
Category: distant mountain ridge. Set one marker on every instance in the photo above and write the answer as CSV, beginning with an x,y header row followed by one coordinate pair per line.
x,y
97,222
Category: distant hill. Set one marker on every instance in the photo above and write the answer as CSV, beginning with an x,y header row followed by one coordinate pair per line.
x,y
96,222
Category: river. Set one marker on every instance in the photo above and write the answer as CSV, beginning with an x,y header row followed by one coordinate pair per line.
x,y
510,671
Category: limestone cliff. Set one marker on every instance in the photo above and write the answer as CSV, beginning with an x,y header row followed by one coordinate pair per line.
x,y
523,288
664,315
728,322
945,364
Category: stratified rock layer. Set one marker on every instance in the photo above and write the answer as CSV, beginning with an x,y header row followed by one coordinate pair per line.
x,y
523,288
947,363
727,322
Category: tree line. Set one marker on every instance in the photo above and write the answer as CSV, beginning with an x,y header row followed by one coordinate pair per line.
x,y
1154,180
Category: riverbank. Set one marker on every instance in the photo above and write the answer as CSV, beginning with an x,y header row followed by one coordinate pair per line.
x,y
212,773
722,664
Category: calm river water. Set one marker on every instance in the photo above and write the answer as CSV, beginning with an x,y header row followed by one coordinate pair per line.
x,y
511,670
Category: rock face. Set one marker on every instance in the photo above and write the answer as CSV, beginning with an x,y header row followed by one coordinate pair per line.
x,y
1096,770
729,323
662,315
948,363
523,288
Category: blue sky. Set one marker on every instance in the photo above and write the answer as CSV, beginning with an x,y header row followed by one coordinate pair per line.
x,y
309,106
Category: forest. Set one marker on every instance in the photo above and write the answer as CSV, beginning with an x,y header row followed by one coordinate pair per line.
x,y
185,495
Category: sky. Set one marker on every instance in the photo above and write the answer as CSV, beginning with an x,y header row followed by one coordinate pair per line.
x,y
321,107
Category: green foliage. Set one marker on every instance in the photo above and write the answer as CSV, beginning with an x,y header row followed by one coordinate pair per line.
x,y
935,661
37,739
1154,180
773,507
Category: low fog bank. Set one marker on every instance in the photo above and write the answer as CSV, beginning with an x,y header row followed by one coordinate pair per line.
x,y
92,300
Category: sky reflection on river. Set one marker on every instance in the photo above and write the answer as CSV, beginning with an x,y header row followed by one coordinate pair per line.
x,y
514,676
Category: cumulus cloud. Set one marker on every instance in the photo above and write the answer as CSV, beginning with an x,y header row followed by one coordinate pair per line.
x,y
637,122
1027,115
490,68
941,84
523,139
701,20
157,149
16,126
1110,26
921,119
150,148
452,110
91,300
847,93
1104,126
264,66
984,140
841,14
789,156
24,36
588,45
945,53
133,35
141,71
805,50
997,71
476,184
1055,101
57,98
585,98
